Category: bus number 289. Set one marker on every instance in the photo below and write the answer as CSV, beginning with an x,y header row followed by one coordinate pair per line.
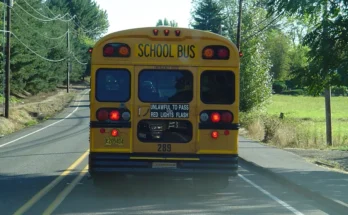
x,y
164,147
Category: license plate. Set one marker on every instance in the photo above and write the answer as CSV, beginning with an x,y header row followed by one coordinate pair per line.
x,y
114,141
164,165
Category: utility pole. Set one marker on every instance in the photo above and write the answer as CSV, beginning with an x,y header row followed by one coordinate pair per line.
x,y
68,63
328,88
8,57
328,116
239,27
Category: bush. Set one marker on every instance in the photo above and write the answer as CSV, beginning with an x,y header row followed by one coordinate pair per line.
x,y
296,92
279,86
339,91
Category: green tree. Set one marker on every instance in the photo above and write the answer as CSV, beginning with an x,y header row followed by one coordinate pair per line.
x,y
39,48
165,22
327,40
208,15
159,23
255,80
278,45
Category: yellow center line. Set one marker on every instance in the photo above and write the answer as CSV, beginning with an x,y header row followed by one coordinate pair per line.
x,y
62,195
50,186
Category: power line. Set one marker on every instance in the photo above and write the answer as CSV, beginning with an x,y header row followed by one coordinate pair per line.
x,y
42,57
39,12
78,60
50,38
43,20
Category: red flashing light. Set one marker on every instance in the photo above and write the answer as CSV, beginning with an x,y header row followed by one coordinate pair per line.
x,y
109,50
102,130
177,33
102,115
215,117
114,133
214,134
166,32
114,115
226,117
227,132
223,53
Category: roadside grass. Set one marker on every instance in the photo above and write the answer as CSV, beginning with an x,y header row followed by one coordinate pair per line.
x,y
13,100
28,114
303,125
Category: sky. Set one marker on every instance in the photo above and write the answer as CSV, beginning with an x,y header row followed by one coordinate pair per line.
x,y
126,14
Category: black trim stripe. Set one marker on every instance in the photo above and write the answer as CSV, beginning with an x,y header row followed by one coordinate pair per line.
x,y
96,124
233,126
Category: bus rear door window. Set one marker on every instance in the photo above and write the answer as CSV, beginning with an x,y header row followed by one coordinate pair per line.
x,y
167,86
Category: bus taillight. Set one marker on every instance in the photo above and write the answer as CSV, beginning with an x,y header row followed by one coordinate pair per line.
x,y
114,133
214,134
114,115
126,115
204,117
226,117
102,115
215,117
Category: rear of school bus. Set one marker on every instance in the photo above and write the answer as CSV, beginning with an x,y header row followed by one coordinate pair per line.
x,y
164,100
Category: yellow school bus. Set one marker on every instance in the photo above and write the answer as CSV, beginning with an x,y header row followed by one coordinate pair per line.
x,y
164,100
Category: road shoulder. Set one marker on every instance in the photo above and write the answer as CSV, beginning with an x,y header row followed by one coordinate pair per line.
x,y
323,185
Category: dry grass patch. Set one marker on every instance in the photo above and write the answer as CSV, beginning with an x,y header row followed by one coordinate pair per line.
x,y
29,114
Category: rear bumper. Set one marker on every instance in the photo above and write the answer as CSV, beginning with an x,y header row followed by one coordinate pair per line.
x,y
193,164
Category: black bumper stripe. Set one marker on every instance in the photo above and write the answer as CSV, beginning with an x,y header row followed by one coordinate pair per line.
x,y
116,163
219,126
96,124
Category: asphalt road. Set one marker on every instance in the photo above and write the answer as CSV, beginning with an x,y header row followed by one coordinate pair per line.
x,y
43,171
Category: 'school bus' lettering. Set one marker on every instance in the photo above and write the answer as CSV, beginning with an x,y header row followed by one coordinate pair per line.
x,y
165,51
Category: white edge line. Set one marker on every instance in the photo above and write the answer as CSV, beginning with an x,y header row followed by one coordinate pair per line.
x,y
15,140
284,204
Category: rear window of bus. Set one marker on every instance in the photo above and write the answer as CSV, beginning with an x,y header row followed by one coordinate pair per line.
x,y
112,85
217,87
167,86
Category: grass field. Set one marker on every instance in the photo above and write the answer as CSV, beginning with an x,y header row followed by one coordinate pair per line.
x,y
311,111
304,121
